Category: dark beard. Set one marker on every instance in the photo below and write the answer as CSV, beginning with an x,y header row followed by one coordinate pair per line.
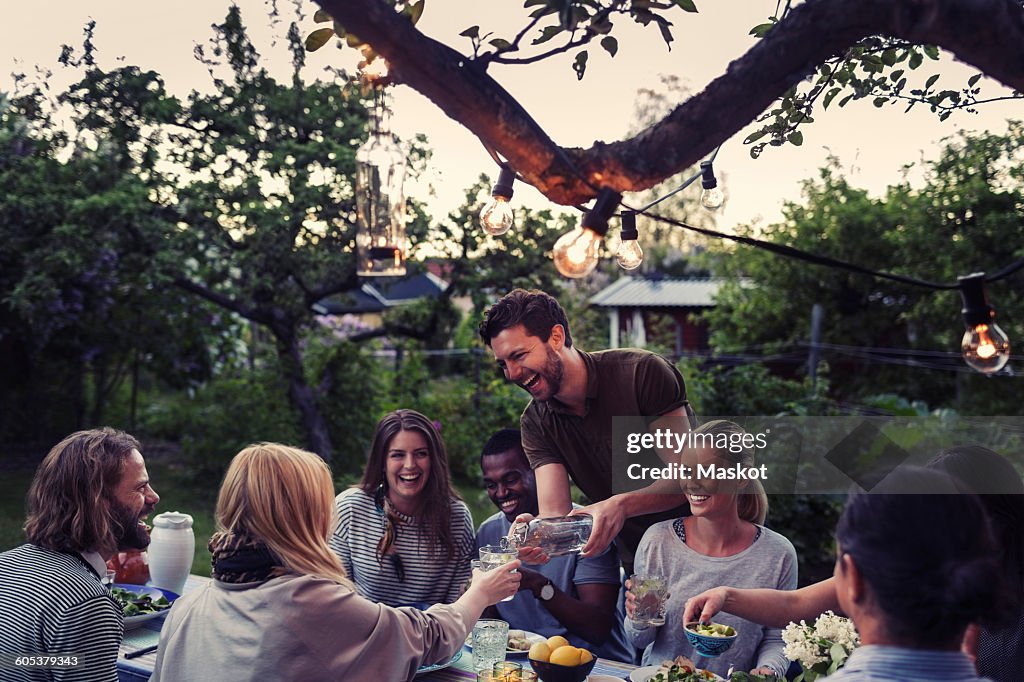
x,y
552,372
127,531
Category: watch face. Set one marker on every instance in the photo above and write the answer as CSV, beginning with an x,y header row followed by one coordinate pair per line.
x,y
547,592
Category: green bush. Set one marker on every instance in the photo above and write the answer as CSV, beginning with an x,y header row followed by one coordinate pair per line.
x,y
352,385
214,422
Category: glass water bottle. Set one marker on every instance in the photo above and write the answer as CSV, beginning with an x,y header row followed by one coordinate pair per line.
x,y
554,536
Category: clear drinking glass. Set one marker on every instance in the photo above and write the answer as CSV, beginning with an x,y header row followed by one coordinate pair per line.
x,y
651,592
490,639
508,671
494,556
109,578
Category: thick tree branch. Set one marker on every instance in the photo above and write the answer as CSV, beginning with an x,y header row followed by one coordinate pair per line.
x,y
987,34
223,301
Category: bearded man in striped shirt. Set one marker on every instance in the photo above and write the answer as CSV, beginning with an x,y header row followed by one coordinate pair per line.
x,y
87,501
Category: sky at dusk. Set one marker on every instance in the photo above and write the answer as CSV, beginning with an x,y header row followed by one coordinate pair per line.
x,y
872,144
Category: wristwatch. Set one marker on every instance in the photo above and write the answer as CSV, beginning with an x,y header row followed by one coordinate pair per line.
x,y
547,591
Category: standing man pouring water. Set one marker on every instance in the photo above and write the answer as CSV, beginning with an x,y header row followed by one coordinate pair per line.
x,y
567,427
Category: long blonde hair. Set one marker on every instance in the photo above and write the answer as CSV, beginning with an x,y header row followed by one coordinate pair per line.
x,y
751,505
284,497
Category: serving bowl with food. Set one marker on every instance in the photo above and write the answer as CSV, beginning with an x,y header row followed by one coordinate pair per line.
x,y
140,603
555,660
679,669
710,639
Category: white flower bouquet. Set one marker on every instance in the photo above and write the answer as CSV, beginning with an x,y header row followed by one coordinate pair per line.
x,y
822,648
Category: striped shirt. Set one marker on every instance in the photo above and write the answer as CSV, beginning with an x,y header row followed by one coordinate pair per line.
x,y
430,579
53,604
878,663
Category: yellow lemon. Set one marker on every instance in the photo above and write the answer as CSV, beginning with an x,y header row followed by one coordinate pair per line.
x,y
585,656
567,655
540,651
556,642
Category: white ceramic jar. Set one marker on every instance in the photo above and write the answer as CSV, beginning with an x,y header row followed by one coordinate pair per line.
x,y
171,550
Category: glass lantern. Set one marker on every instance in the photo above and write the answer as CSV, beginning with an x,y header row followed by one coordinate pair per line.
x,y
380,202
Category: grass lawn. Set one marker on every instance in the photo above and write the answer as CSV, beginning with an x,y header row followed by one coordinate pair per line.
x,y
176,494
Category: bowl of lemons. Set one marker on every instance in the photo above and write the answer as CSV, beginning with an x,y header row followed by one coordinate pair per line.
x,y
555,660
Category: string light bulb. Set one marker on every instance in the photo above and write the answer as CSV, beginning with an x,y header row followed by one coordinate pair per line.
x,y
712,197
985,346
576,252
497,217
629,254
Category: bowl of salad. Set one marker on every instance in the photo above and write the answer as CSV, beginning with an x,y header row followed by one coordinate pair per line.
x,y
710,639
140,603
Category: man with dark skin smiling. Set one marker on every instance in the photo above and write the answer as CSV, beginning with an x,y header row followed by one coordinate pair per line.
x,y
567,427
569,595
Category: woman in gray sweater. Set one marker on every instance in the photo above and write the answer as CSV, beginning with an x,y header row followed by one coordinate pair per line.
x,y
280,606
723,542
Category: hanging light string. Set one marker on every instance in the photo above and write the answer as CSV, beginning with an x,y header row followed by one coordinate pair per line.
x,y
689,181
826,261
779,249
1006,271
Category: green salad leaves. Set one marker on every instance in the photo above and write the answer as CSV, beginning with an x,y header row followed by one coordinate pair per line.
x,y
136,604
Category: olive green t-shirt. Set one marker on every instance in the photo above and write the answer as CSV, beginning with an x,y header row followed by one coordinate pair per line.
x,y
624,382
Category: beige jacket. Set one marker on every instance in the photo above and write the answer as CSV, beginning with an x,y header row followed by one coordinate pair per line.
x,y
300,628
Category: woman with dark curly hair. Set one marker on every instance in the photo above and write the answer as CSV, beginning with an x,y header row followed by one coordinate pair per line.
x,y
403,535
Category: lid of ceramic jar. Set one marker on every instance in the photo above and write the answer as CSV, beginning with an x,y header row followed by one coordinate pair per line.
x,y
175,520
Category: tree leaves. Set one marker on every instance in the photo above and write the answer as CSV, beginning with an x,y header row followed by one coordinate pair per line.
x,y
610,44
414,11
686,5
318,38
546,34
579,65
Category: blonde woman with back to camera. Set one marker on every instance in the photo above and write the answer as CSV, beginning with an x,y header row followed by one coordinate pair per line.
x,y
280,606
